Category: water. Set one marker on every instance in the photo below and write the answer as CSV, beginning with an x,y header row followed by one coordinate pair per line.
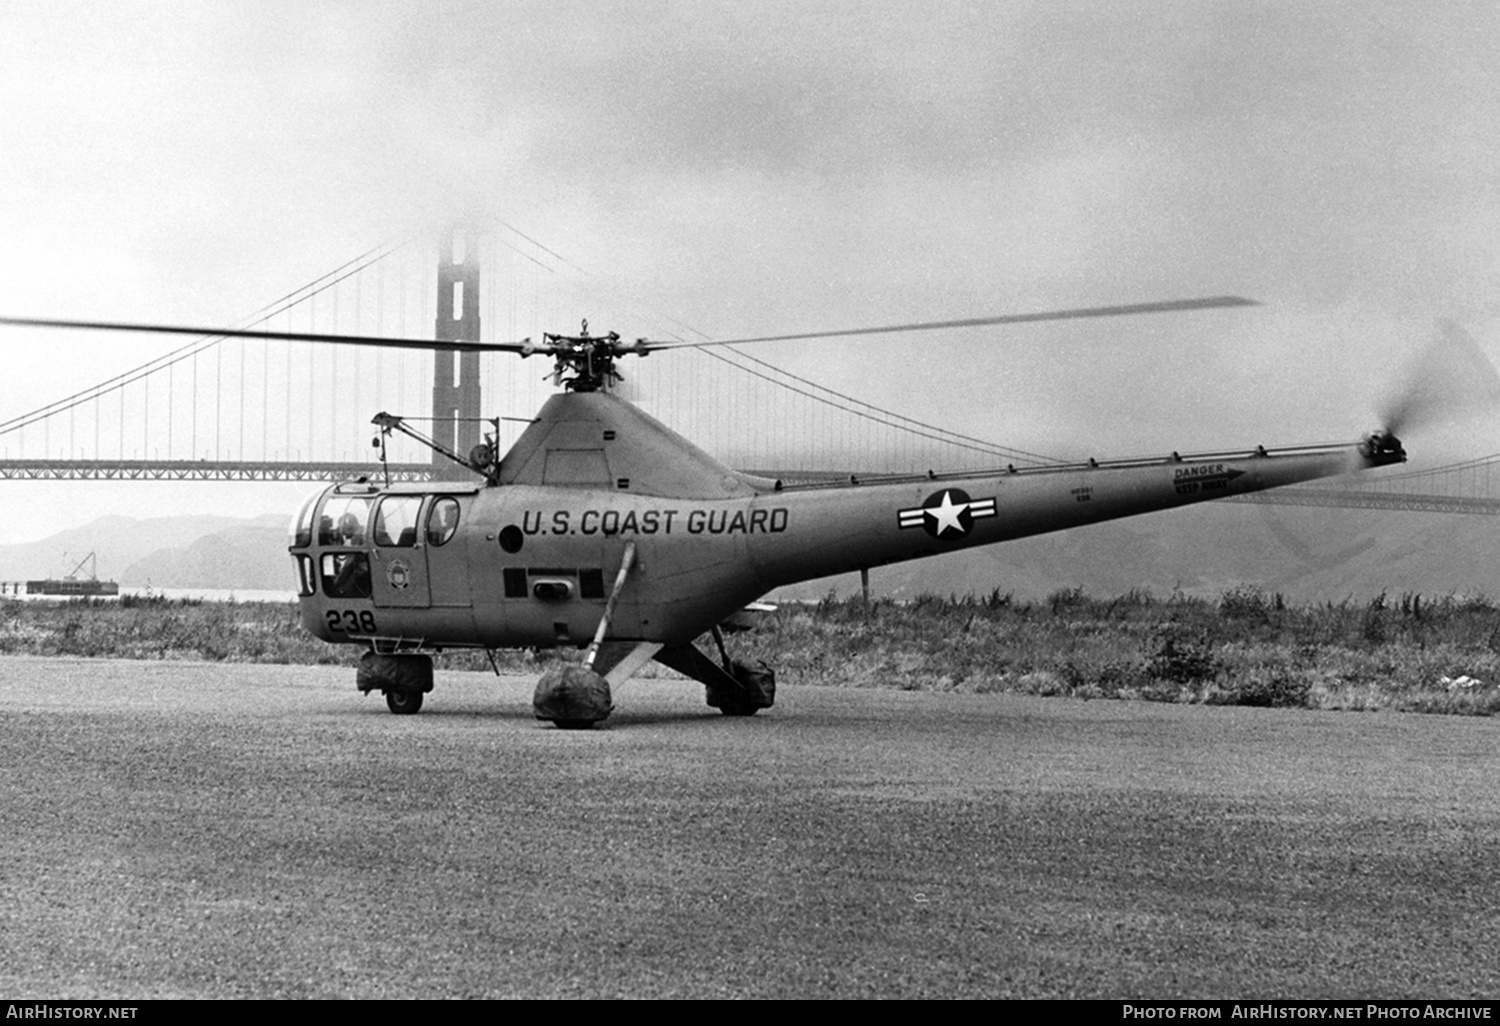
x,y
199,594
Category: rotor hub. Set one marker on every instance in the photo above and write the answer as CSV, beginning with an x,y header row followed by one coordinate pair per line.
x,y
584,362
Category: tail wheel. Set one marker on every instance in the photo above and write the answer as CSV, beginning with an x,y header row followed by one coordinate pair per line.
x,y
403,702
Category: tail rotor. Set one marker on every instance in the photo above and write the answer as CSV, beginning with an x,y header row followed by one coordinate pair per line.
x,y
1447,381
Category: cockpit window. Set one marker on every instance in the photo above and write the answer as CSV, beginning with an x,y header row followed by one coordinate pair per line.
x,y
300,535
442,521
396,521
343,520
346,575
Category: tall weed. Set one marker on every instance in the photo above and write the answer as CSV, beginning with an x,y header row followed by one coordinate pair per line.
x,y
1417,654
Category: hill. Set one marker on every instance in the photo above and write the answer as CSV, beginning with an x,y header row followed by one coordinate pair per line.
x,y
1307,554
251,555
163,552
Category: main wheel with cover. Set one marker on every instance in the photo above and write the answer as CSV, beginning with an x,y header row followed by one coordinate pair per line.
x,y
403,702
756,691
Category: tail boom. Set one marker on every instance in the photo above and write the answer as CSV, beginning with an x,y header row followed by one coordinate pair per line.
x,y
854,527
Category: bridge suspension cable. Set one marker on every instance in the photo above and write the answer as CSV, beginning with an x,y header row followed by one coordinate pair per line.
x,y
187,350
231,425
790,382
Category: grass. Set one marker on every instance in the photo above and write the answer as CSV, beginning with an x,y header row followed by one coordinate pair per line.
x,y
1410,654
1247,648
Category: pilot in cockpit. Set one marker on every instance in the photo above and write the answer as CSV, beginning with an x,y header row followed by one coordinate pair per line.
x,y
351,531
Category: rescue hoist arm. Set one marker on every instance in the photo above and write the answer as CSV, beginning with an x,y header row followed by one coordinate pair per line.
x,y
481,460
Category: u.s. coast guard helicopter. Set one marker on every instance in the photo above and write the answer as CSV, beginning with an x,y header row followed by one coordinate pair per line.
x,y
604,530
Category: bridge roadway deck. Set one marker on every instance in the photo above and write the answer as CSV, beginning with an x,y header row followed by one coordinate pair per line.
x,y
1354,498
208,470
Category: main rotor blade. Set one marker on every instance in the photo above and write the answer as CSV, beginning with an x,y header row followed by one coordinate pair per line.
x,y
1168,306
282,336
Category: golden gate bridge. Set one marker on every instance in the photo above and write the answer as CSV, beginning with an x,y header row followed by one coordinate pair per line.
x,y
217,408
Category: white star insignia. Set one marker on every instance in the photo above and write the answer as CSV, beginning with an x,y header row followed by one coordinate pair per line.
x,y
945,515
950,518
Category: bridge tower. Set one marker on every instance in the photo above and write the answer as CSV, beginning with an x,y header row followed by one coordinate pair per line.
x,y
456,405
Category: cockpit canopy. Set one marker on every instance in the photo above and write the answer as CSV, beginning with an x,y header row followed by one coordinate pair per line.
x,y
347,522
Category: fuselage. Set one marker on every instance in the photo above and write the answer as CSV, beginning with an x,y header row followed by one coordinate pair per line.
x,y
530,560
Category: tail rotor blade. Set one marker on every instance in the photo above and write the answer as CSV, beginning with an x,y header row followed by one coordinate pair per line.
x,y
1448,380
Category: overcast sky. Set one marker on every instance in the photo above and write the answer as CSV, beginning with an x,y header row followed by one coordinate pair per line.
x,y
756,167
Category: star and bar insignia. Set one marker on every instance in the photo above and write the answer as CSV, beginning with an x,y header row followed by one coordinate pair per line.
x,y
949,513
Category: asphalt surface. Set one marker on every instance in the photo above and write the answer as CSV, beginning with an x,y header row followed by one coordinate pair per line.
x,y
206,830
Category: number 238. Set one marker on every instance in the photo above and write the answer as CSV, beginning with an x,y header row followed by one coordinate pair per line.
x,y
350,621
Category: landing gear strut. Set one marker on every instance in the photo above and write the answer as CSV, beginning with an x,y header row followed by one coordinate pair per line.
x,y
756,690
575,697
732,687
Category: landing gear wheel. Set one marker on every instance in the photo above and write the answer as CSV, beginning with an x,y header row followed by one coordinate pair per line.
x,y
403,702
403,679
756,690
571,697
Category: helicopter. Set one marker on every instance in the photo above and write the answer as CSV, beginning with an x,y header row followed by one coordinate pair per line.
x,y
605,531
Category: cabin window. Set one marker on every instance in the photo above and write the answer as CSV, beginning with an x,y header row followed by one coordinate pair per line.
x,y
306,580
396,521
346,575
344,519
442,521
